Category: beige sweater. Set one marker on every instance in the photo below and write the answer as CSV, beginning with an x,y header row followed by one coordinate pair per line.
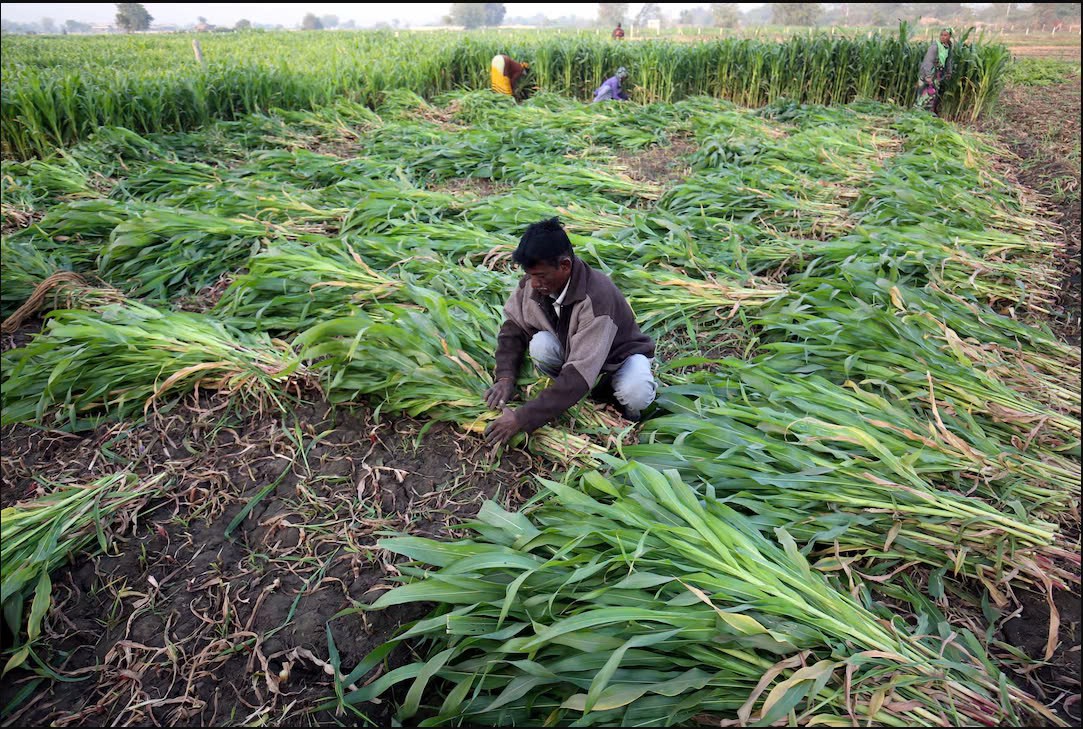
x,y
596,328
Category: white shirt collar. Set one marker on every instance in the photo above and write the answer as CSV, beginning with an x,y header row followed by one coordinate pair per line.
x,y
560,299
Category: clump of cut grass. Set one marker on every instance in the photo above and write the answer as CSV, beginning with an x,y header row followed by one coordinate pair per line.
x,y
628,600
124,358
40,535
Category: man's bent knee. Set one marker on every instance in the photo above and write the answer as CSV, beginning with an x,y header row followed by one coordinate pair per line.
x,y
547,353
634,385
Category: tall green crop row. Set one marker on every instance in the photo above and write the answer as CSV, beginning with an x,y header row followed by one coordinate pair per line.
x,y
58,91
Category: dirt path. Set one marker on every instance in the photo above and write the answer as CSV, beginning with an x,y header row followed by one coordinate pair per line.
x,y
1041,125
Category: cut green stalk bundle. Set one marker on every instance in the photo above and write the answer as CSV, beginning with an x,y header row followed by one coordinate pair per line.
x,y
26,266
27,185
385,204
459,242
649,607
290,286
664,300
415,362
906,353
124,358
163,179
991,266
857,477
165,252
306,169
89,222
40,535
576,178
587,213
771,195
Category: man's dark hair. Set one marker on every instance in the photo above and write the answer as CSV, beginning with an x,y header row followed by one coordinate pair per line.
x,y
544,242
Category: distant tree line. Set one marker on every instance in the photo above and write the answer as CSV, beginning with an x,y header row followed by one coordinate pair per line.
x,y
728,15
131,17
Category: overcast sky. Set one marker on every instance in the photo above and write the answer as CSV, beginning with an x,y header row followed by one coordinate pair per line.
x,y
290,14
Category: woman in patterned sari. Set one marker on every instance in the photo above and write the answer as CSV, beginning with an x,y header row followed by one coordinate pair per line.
x,y
935,70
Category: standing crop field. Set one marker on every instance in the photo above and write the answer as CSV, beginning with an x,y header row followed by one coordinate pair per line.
x,y
242,386
58,93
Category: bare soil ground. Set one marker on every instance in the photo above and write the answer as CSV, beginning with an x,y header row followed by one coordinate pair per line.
x,y
1059,52
1041,125
203,615
478,186
1057,682
664,165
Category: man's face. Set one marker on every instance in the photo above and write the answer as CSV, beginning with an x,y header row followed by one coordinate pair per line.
x,y
945,37
549,280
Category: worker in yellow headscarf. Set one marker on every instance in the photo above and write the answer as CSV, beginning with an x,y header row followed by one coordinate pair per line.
x,y
505,72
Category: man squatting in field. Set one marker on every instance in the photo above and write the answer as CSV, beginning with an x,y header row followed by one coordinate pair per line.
x,y
504,73
579,330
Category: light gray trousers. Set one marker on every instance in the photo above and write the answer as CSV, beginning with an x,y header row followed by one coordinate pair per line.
x,y
633,383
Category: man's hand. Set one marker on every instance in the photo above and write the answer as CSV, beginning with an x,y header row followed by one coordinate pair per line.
x,y
499,394
503,429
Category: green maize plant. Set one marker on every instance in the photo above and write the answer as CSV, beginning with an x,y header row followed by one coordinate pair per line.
x,y
124,358
981,78
41,535
648,606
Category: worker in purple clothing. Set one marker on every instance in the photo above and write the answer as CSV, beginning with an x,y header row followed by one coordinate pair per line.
x,y
610,89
